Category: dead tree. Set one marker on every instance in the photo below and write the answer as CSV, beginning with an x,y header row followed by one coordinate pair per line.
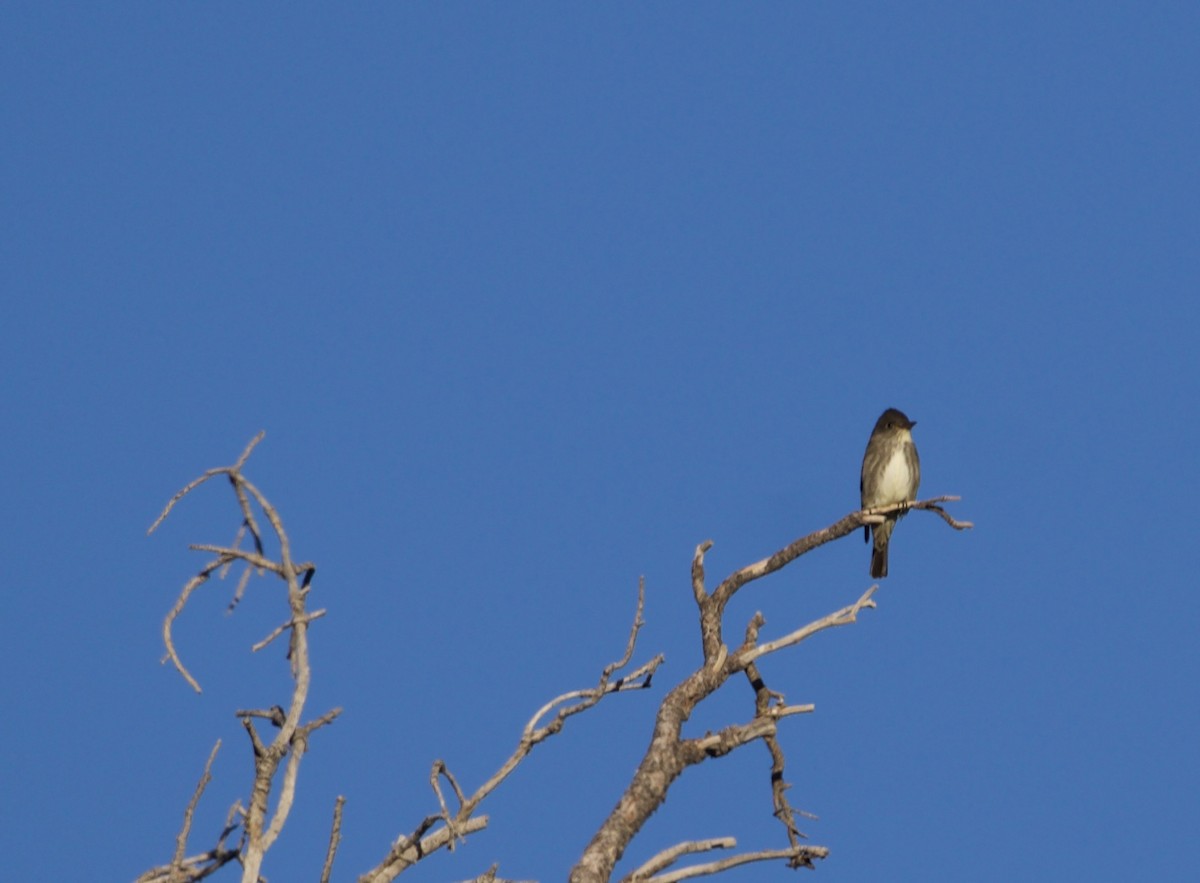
x,y
251,829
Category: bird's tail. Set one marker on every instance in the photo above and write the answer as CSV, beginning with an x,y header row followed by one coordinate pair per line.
x,y
881,533
879,561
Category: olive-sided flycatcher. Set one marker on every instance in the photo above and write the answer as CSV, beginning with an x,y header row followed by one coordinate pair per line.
x,y
891,472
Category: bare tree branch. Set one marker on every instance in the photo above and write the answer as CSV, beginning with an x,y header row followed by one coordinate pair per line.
x,y
197,867
261,826
194,583
181,840
797,857
407,850
669,754
277,760
335,837
490,876
669,856
212,473
458,824
845,616
279,630
649,872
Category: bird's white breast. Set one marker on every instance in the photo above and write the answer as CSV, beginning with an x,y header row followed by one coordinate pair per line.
x,y
896,480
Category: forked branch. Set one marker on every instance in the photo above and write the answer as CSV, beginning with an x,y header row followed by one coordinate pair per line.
x,y
669,753
261,826
457,822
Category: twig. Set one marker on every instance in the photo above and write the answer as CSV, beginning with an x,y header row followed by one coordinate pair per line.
x,y
669,856
197,867
533,735
233,554
638,679
845,616
194,583
211,473
335,837
406,852
698,589
457,825
439,770
240,591
797,856
490,876
279,630
181,839
765,700
722,742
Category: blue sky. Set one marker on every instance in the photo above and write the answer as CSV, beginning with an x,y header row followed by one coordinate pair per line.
x,y
531,299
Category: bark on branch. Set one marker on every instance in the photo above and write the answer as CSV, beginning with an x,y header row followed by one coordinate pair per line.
x,y
276,760
260,826
669,753
456,823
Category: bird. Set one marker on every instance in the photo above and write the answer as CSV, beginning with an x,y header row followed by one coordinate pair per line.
x,y
891,472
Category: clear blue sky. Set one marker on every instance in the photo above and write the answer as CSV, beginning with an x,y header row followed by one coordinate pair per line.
x,y
532,298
